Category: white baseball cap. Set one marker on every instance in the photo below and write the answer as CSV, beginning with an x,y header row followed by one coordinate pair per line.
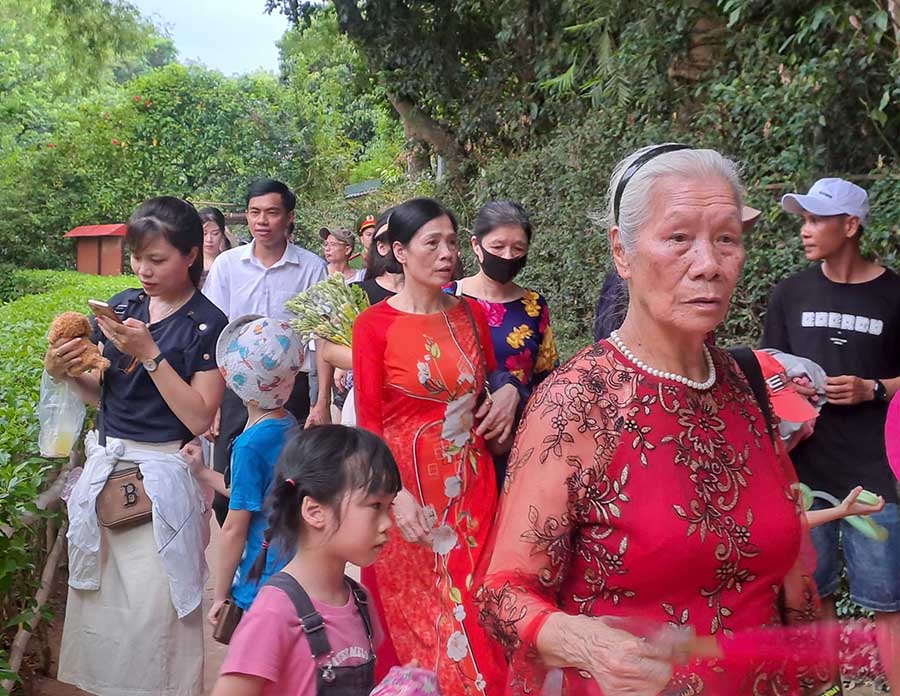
x,y
831,196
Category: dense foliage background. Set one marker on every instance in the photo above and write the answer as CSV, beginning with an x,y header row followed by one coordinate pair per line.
x,y
531,100
536,101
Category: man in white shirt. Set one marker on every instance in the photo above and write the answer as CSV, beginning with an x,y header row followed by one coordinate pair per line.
x,y
258,278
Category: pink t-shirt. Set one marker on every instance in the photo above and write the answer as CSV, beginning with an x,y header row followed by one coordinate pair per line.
x,y
270,643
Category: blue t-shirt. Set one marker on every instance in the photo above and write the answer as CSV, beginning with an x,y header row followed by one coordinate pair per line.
x,y
253,458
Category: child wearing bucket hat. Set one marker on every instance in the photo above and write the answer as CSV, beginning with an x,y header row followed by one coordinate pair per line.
x,y
259,358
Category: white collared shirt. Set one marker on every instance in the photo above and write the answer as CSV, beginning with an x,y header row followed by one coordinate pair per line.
x,y
239,284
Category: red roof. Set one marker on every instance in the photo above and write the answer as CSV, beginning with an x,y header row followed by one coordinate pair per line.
x,y
116,230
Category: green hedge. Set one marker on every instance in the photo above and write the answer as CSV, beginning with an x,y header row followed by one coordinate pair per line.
x,y
23,472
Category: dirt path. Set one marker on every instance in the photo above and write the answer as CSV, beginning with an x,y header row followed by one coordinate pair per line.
x,y
215,652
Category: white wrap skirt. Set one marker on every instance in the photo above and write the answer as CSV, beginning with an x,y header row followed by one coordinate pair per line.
x,y
126,639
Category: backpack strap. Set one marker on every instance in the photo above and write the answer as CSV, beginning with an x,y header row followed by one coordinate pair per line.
x,y
749,365
312,621
122,307
101,424
362,604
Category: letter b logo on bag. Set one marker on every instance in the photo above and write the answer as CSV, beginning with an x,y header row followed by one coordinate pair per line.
x,y
129,490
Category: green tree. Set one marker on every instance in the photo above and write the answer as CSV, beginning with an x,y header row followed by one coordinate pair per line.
x,y
188,132
54,53
354,133
461,75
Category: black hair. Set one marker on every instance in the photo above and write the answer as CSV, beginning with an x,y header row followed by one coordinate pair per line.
x,y
176,220
499,214
376,264
215,215
407,219
266,186
323,463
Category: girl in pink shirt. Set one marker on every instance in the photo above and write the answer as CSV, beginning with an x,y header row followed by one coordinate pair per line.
x,y
330,503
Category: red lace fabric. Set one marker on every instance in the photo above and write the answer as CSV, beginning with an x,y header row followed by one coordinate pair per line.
x,y
417,379
633,496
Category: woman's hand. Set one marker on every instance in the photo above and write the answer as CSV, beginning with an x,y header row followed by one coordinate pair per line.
x,y
131,337
498,414
620,661
213,433
851,506
340,380
319,414
62,356
411,519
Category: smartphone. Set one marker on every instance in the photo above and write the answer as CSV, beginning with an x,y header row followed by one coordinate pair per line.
x,y
101,309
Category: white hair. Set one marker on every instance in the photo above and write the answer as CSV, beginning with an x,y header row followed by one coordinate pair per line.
x,y
635,203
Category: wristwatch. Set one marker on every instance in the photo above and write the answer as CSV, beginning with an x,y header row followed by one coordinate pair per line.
x,y
151,365
880,392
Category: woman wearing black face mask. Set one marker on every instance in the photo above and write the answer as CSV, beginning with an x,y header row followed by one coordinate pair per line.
x,y
518,317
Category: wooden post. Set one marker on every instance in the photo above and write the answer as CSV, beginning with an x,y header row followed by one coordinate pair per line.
x,y
20,642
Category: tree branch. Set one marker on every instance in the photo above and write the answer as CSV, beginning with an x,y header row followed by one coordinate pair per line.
x,y
420,126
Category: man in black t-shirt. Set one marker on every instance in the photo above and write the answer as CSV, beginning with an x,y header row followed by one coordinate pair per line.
x,y
844,314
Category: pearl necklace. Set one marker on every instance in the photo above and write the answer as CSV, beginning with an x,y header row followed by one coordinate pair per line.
x,y
700,386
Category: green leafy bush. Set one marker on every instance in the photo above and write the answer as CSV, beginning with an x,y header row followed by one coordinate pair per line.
x,y
23,472
793,92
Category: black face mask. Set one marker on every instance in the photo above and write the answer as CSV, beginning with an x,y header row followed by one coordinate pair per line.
x,y
500,269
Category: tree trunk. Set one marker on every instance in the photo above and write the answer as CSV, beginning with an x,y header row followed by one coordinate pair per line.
x,y
420,126
417,125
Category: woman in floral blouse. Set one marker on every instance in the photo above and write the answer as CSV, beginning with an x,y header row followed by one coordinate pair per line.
x,y
420,362
646,499
519,318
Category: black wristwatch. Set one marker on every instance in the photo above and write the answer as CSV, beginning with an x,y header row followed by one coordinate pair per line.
x,y
880,392
152,364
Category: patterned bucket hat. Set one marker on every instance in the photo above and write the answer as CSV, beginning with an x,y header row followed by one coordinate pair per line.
x,y
259,358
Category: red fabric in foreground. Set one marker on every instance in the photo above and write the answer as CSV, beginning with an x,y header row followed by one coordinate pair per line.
x,y
417,380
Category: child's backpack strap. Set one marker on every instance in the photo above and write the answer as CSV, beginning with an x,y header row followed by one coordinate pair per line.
x,y
362,604
313,623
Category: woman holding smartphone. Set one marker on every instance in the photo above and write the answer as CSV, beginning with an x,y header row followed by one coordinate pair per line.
x,y
133,621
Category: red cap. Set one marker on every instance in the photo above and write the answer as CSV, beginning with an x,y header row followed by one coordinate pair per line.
x,y
367,221
787,403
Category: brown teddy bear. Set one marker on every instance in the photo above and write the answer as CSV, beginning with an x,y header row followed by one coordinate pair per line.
x,y
75,325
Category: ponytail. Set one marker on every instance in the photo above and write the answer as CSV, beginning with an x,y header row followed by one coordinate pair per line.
x,y
285,501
